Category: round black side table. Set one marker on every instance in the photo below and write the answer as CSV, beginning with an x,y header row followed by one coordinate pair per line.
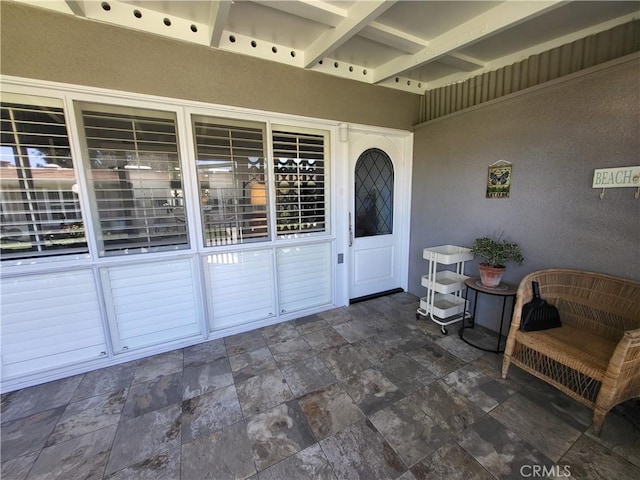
x,y
504,290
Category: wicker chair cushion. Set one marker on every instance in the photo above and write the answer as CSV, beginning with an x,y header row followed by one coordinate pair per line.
x,y
573,346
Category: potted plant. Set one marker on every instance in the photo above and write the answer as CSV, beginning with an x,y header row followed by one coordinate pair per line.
x,y
496,254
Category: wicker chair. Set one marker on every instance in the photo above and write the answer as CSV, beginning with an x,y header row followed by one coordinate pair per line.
x,y
595,356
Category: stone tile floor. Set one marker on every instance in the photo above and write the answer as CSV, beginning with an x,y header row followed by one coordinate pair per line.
x,y
362,392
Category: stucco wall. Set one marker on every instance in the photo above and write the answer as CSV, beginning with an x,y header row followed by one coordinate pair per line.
x,y
41,44
555,137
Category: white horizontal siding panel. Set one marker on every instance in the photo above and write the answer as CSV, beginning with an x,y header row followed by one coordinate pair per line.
x,y
61,291
154,313
311,295
46,329
238,301
240,287
159,268
151,303
143,297
305,291
173,329
306,273
49,320
19,313
132,276
237,312
304,276
245,275
236,288
303,254
33,365
139,325
249,282
47,346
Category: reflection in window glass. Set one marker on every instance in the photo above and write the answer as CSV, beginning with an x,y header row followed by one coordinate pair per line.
x,y
39,208
135,179
230,161
374,194
299,164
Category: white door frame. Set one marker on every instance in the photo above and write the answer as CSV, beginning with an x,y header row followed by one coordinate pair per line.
x,y
403,140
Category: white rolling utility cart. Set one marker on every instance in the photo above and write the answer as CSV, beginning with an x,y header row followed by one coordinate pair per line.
x,y
444,303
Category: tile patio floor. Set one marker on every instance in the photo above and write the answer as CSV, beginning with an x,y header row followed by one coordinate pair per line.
x,y
363,392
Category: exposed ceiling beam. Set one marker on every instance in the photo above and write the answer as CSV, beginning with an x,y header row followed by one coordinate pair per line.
x,y
462,62
537,49
392,37
217,20
76,7
505,15
358,16
317,11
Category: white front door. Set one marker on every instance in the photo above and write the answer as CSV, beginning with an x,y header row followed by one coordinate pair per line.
x,y
376,175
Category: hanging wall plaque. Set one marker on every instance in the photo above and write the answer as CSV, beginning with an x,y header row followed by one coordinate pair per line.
x,y
616,178
499,179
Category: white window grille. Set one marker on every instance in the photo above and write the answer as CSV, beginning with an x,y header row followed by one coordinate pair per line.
x,y
135,180
230,162
300,176
39,206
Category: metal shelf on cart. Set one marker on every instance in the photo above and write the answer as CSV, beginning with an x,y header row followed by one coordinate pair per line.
x,y
445,281
447,254
444,305
443,323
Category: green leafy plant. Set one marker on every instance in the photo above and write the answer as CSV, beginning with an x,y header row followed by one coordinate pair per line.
x,y
497,252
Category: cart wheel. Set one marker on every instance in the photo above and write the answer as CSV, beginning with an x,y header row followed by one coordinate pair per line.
x,y
418,316
443,330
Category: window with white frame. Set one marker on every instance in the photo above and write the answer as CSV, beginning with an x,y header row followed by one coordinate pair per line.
x,y
39,205
230,162
300,162
134,179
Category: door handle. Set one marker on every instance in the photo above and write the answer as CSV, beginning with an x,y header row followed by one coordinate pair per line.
x,y
350,231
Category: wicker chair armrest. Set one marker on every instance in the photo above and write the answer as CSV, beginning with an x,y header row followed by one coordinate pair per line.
x,y
633,335
523,296
626,356
623,372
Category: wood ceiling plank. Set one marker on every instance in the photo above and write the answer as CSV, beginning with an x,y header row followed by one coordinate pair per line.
x,y
76,7
535,50
217,20
358,16
505,15
317,11
392,37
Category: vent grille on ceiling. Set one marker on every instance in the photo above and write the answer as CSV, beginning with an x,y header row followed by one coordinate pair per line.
x,y
564,60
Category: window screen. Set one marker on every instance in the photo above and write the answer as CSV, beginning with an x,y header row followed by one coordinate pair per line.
x,y
230,161
135,179
39,208
300,172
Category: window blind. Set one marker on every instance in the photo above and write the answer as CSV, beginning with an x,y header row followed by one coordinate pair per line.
x,y
299,162
135,179
39,208
230,161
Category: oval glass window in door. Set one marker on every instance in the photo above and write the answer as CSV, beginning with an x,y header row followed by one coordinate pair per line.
x,y
373,194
